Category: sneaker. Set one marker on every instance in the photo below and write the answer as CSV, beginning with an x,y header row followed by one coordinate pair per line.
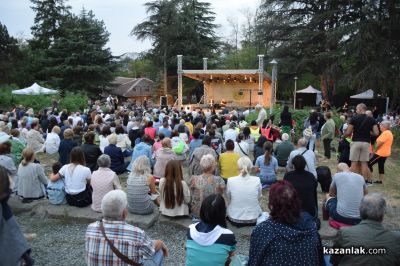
x,y
378,182
368,183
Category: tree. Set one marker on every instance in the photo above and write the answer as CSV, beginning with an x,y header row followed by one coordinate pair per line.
x,y
50,14
178,27
348,44
78,59
8,53
160,27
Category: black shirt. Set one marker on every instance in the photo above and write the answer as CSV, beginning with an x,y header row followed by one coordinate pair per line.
x,y
92,152
306,186
362,127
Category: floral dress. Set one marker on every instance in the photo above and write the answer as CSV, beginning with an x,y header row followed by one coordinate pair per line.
x,y
201,187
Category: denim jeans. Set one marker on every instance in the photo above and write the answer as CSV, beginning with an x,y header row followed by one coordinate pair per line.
x,y
331,205
156,260
267,180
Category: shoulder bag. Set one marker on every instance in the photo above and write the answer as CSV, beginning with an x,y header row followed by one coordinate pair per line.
x,y
115,250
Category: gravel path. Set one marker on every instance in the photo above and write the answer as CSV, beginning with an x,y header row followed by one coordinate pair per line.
x,y
61,243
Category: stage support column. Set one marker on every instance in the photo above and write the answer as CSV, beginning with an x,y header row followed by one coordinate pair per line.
x,y
179,103
260,78
205,96
273,84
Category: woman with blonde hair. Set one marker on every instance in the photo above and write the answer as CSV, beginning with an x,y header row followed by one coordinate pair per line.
x,y
140,183
31,178
174,193
52,142
244,193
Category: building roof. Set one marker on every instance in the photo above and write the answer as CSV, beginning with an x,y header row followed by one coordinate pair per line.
x,y
131,87
241,75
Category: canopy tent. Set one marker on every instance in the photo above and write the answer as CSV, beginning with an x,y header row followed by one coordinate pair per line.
x,y
368,94
370,99
308,97
35,89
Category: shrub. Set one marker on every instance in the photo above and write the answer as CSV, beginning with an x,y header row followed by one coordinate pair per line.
x,y
72,101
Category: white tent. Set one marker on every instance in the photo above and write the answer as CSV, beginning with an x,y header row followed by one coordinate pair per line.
x,y
35,89
311,90
368,94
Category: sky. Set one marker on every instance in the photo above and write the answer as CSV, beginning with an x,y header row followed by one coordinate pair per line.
x,y
119,16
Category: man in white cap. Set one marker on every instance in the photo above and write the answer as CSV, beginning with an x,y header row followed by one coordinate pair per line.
x,y
283,150
262,115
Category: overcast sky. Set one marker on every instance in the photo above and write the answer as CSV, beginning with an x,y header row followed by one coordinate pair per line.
x,y
119,16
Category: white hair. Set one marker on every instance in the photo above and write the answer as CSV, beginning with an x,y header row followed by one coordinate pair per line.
x,y
112,139
104,161
285,136
207,161
386,123
141,166
113,204
244,165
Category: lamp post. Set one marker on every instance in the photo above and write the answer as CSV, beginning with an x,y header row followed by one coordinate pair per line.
x,y
274,64
294,94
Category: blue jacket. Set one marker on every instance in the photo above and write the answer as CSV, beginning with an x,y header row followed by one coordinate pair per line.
x,y
274,243
117,158
141,149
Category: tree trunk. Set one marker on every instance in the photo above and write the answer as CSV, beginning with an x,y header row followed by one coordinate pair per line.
x,y
324,87
165,71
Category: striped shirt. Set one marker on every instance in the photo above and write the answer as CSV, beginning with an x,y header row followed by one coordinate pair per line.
x,y
128,239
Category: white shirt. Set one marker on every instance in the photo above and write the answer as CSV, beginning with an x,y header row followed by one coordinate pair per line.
x,y
52,143
75,120
244,193
243,150
230,134
76,177
308,155
103,143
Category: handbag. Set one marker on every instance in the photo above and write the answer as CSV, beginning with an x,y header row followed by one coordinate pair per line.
x,y
115,250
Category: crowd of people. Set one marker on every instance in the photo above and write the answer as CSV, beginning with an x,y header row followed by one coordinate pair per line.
x,y
209,166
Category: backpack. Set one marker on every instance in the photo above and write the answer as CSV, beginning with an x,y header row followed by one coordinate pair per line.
x,y
180,148
56,192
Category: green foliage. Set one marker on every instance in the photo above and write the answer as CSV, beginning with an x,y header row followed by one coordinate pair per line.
x,y
298,115
175,27
71,101
49,15
348,45
78,59
9,53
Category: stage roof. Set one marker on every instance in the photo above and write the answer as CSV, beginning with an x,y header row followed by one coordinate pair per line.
x,y
240,75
